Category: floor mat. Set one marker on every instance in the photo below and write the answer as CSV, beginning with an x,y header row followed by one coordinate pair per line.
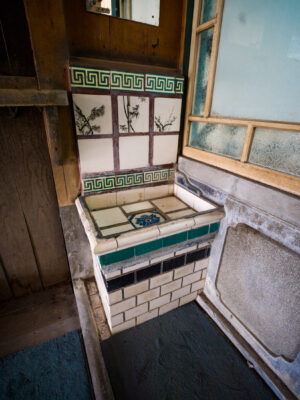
x,y
54,370
180,355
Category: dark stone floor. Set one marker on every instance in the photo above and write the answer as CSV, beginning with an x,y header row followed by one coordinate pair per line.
x,y
53,370
180,355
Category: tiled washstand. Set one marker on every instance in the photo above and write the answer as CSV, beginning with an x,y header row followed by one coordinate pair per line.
x,y
150,256
150,239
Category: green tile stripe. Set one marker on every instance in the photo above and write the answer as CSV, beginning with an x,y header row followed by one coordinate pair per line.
x,y
89,78
97,78
109,182
122,80
155,245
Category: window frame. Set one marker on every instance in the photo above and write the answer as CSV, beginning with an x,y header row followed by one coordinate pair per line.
x,y
280,180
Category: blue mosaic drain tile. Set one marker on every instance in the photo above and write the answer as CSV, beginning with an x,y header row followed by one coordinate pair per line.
x,y
148,218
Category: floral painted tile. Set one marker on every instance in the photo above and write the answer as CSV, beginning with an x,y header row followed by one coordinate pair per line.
x,y
133,112
167,112
92,114
146,219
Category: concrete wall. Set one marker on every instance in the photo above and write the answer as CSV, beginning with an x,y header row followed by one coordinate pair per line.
x,y
253,274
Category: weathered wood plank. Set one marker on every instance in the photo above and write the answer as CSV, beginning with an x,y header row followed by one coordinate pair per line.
x,y
32,97
17,82
47,29
15,245
34,181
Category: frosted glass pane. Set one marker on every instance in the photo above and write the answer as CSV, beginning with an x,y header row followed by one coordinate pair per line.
x,y
258,66
226,140
208,10
204,53
279,150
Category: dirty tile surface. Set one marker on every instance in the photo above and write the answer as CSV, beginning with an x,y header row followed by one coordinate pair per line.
x,y
109,216
180,355
168,204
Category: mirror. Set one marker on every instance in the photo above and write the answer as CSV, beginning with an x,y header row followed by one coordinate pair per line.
x,y
145,11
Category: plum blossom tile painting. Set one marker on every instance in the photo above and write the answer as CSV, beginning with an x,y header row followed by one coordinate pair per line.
x,y
167,113
92,114
133,112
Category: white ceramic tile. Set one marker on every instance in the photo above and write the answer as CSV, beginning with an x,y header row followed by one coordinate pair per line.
x,y
92,114
143,205
169,204
134,152
130,195
175,226
138,236
109,216
185,195
133,112
202,205
182,213
98,201
167,113
156,191
95,155
116,229
165,149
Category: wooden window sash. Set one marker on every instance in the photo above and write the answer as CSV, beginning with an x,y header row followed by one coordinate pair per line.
x,y
241,167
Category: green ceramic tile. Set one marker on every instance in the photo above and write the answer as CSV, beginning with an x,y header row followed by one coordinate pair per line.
x,y
203,230
148,247
214,227
174,239
117,256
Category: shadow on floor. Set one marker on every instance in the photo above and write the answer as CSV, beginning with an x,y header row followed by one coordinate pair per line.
x,y
54,370
180,355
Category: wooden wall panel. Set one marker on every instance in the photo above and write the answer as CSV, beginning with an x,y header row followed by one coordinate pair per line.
x,y
30,203
99,36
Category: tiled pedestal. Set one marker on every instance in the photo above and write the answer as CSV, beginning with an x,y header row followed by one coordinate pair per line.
x,y
147,271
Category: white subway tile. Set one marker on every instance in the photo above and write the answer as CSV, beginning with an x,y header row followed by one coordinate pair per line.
x,y
170,287
168,307
117,319
123,327
135,267
201,264
187,299
134,312
181,292
147,316
114,297
147,296
182,271
204,273
196,276
161,279
199,285
136,289
186,250
122,306
160,301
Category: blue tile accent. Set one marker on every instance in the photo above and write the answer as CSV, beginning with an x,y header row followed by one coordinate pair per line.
x,y
148,247
193,233
117,256
147,218
174,239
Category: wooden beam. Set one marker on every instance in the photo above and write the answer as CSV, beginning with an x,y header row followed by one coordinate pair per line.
x,y
182,36
288,183
206,25
32,97
247,143
17,82
213,59
245,122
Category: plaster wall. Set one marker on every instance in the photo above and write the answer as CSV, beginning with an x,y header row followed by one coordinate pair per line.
x,y
272,217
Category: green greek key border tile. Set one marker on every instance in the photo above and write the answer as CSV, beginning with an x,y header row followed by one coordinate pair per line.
x,y
110,182
179,85
97,78
132,81
154,245
160,83
89,78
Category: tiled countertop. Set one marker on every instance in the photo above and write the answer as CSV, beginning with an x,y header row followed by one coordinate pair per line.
x,y
115,228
